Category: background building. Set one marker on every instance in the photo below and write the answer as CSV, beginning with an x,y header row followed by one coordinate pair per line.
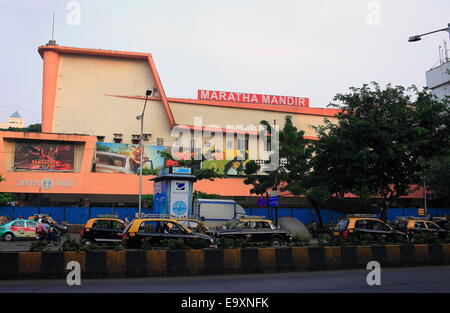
x,y
15,121
84,155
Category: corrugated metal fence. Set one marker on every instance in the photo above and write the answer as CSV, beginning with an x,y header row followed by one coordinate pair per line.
x,y
79,215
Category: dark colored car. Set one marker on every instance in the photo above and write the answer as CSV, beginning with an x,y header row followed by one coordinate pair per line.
x,y
412,226
442,222
103,230
359,227
256,230
157,229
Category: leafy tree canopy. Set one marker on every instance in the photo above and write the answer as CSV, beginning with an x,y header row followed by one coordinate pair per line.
x,y
381,142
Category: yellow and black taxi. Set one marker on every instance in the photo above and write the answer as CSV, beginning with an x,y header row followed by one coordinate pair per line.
x,y
103,230
157,229
196,225
256,230
359,225
414,225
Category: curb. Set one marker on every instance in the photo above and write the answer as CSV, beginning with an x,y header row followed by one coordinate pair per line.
x,y
153,263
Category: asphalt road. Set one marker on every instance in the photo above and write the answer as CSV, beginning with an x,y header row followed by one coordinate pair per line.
x,y
413,279
24,245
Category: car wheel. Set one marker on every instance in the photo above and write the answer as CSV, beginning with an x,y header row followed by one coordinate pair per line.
x,y
8,237
276,242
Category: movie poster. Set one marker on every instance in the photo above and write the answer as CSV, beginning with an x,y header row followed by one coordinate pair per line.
x,y
125,158
44,156
230,162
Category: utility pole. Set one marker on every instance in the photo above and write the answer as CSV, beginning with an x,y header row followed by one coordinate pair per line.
x,y
141,149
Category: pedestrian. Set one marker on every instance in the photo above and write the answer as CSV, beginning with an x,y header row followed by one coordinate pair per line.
x,y
127,220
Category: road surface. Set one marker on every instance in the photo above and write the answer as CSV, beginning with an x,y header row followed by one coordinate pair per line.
x,y
413,279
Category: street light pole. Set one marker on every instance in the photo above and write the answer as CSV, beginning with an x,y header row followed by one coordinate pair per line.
x,y
419,37
141,117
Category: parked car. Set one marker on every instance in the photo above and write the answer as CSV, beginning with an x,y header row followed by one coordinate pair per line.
x,y
442,221
18,229
355,225
158,229
256,229
412,226
61,227
109,162
197,226
103,230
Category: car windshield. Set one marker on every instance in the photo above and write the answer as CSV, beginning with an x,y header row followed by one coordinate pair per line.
x,y
111,160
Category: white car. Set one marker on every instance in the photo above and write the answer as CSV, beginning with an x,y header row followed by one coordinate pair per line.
x,y
108,162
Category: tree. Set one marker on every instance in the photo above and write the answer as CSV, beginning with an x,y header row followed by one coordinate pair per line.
x,y
34,128
5,197
291,175
438,177
381,143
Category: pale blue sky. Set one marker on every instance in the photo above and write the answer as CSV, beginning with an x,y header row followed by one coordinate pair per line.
x,y
313,48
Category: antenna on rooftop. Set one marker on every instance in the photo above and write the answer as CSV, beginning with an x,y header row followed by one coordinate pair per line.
x,y
52,42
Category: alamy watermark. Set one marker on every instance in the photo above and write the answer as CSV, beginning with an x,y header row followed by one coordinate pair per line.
x,y
74,15
373,13
212,142
73,278
374,276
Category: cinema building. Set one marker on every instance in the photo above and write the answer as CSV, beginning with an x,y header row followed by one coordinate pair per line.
x,y
91,98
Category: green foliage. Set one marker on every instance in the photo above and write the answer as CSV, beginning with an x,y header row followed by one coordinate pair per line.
x,y
300,240
230,243
33,128
5,198
149,199
380,143
149,171
39,246
204,195
438,176
119,247
228,225
71,244
424,238
293,175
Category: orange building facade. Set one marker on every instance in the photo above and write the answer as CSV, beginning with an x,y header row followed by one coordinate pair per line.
x,y
90,101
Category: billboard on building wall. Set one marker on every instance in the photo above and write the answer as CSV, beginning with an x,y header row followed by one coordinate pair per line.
x,y
230,162
125,158
44,156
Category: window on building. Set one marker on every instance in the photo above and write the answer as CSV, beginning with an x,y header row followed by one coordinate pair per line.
x,y
118,138
146,137
100,138
135,139
160,141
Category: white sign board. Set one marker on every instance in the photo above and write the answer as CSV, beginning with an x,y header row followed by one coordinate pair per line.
x,y
179,198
